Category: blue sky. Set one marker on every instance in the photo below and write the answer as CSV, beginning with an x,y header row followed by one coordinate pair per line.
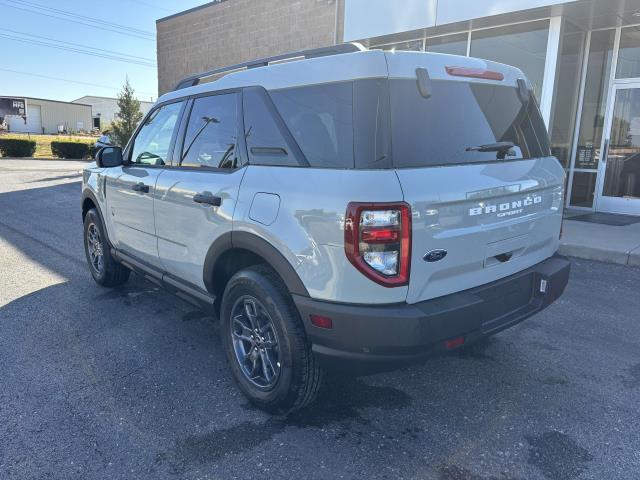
x,y
20,19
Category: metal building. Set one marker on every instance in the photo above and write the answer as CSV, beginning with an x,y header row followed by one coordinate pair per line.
x,y
49,116
105,109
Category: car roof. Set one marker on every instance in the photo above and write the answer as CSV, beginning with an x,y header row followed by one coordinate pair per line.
x,y
348,67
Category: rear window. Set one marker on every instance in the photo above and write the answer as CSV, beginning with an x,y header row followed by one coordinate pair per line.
x,y
458,115
320,118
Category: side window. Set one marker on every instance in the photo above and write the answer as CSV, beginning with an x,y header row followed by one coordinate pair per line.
x,y
320,118
151,145
265,142
212,133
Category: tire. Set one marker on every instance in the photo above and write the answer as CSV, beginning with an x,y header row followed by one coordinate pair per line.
x,y
107,271
298,378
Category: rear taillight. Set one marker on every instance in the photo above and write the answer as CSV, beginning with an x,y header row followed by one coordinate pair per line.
x,y
377,241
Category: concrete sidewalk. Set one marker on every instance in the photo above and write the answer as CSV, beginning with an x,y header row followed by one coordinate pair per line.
x,y
596,241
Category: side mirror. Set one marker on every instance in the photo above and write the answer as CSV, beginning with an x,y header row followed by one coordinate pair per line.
x,y
108,157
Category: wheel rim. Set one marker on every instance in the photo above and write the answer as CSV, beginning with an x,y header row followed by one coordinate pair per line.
x,y
255,342
94,247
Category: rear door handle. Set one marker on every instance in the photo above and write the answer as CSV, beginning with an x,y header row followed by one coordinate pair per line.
x,y
207,199
140,187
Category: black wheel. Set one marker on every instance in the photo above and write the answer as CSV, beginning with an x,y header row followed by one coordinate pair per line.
x,y
104,269
266,346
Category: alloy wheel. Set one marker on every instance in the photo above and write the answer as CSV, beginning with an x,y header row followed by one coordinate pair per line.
x,y
95,248
255,342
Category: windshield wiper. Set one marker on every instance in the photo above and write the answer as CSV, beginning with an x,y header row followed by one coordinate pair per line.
x,y
502,148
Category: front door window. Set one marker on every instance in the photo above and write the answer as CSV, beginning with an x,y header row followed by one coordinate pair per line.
x,y
151,146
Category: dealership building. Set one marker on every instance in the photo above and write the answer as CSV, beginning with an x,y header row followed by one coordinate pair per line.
x,y
582,58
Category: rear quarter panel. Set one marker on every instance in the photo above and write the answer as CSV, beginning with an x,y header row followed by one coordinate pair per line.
x,y
309,226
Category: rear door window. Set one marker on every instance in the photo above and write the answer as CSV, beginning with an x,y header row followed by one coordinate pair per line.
x,y
212,133
320,118
459,115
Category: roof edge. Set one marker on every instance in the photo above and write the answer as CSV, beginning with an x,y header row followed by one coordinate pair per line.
x,y
212,3
37,99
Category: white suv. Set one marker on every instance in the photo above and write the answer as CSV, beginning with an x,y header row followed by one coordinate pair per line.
x,y
337,208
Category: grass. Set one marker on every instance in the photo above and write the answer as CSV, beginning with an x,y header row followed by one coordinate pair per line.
x,y
43,142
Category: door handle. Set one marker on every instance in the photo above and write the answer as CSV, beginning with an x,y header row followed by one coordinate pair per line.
x,y
207,199
605,151
140,187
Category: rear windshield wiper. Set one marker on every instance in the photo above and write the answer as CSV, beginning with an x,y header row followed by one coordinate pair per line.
x,y
502,148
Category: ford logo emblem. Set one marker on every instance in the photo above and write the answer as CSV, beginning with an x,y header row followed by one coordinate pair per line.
x,y
435,255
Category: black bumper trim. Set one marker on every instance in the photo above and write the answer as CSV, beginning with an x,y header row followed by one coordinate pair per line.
x,y
375,338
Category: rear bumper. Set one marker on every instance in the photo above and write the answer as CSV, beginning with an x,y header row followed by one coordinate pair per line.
x,y
367,339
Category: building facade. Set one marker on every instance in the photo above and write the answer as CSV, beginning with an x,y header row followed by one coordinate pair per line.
x,y
51,117
582,58
105,109
234,31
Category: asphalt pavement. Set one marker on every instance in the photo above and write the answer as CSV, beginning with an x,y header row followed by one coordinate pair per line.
x,y
131,383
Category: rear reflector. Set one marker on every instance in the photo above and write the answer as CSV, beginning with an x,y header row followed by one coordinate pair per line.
x,y
454,343
474,73
380,236
321,322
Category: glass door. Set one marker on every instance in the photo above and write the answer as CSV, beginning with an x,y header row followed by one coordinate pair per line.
x,y
619,190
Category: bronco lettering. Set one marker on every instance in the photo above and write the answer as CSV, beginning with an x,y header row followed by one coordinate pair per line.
x,y
506,209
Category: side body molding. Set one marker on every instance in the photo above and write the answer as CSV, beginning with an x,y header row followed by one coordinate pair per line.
x,y
258,246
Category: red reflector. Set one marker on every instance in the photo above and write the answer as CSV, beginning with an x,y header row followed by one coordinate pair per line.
x,y
380,236
321,322
474,73
454,343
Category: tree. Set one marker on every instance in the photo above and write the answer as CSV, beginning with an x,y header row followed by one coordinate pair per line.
x,y
129,115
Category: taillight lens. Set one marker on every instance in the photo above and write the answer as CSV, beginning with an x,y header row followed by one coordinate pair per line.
x,y
474,73
377,241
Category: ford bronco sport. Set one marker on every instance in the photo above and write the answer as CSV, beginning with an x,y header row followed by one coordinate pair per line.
x,y
337,208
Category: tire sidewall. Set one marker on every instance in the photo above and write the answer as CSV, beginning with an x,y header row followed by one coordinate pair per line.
x,y
250,282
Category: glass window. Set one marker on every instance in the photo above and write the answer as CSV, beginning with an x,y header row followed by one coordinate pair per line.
x,y
151,145
265,142
451,44
595,98
523,46
622,177
212,133
565,96
459,115
410,46
320,119
629,53
371,132
584,187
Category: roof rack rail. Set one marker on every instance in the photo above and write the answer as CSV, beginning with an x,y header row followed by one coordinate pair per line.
x,y
263,62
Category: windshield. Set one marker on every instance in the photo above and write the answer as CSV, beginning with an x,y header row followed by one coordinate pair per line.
x,y
448,127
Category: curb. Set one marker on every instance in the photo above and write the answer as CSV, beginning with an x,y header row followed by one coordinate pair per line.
x,y
631,258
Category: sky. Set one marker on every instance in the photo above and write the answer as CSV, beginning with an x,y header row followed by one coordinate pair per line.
x,y
72,24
